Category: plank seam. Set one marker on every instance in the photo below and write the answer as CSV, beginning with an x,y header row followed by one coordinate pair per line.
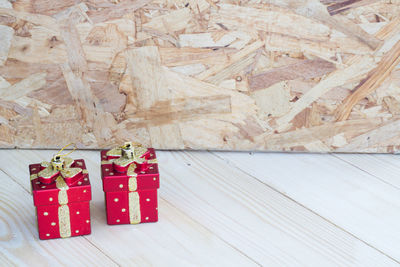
x,y
88,159
209,230
373,175
307,208
116,263
14,180
84,237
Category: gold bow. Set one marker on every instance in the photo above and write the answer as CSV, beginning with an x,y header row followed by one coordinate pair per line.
x,y
58,169
128,153
59,165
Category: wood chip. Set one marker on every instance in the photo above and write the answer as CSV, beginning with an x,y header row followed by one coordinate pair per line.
x,y
306,69
6,34
201,74
371,83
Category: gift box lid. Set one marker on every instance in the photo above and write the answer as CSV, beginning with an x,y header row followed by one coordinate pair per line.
x,y
144,176
59,191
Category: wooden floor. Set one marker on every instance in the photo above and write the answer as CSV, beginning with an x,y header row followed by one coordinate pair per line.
x,y
224,209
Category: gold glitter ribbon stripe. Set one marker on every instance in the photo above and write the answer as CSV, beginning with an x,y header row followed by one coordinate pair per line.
x,y
133,197
134,208
64,221
132,181
64,218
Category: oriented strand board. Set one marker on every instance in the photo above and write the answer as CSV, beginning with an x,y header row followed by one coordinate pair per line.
x,y
318,76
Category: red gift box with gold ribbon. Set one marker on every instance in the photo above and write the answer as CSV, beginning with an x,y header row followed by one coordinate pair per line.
x,y
61,193
130,181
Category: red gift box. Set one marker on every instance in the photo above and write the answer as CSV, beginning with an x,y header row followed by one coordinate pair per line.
x,y
130,185
61,197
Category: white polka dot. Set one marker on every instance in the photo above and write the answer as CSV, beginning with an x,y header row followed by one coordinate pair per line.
x,y
118,220
106,169
142,172
151,167
77,212
53,223
147,218
43,186
147,199
87,221
37,182
45,213
121,186
123,210
77,231
84,191
79,183
33,169
111,173
116,199
86,179
50,199
47,234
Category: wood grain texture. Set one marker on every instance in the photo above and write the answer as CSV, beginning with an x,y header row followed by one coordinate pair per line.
x,y
237,204
214,213
380,166
19,241
200,74
351,198
175,240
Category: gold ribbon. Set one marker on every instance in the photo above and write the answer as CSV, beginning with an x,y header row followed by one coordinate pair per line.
x,y
128,153
60,165
134,208
132,181
64,221
65,170
152,161
133,197
62,194
64,218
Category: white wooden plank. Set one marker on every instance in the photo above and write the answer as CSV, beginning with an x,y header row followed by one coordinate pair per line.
x,y
208,195
265,225
19,243
350,198
384,167
176,240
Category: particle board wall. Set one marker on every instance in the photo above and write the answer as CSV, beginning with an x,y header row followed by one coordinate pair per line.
x,y
317,76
